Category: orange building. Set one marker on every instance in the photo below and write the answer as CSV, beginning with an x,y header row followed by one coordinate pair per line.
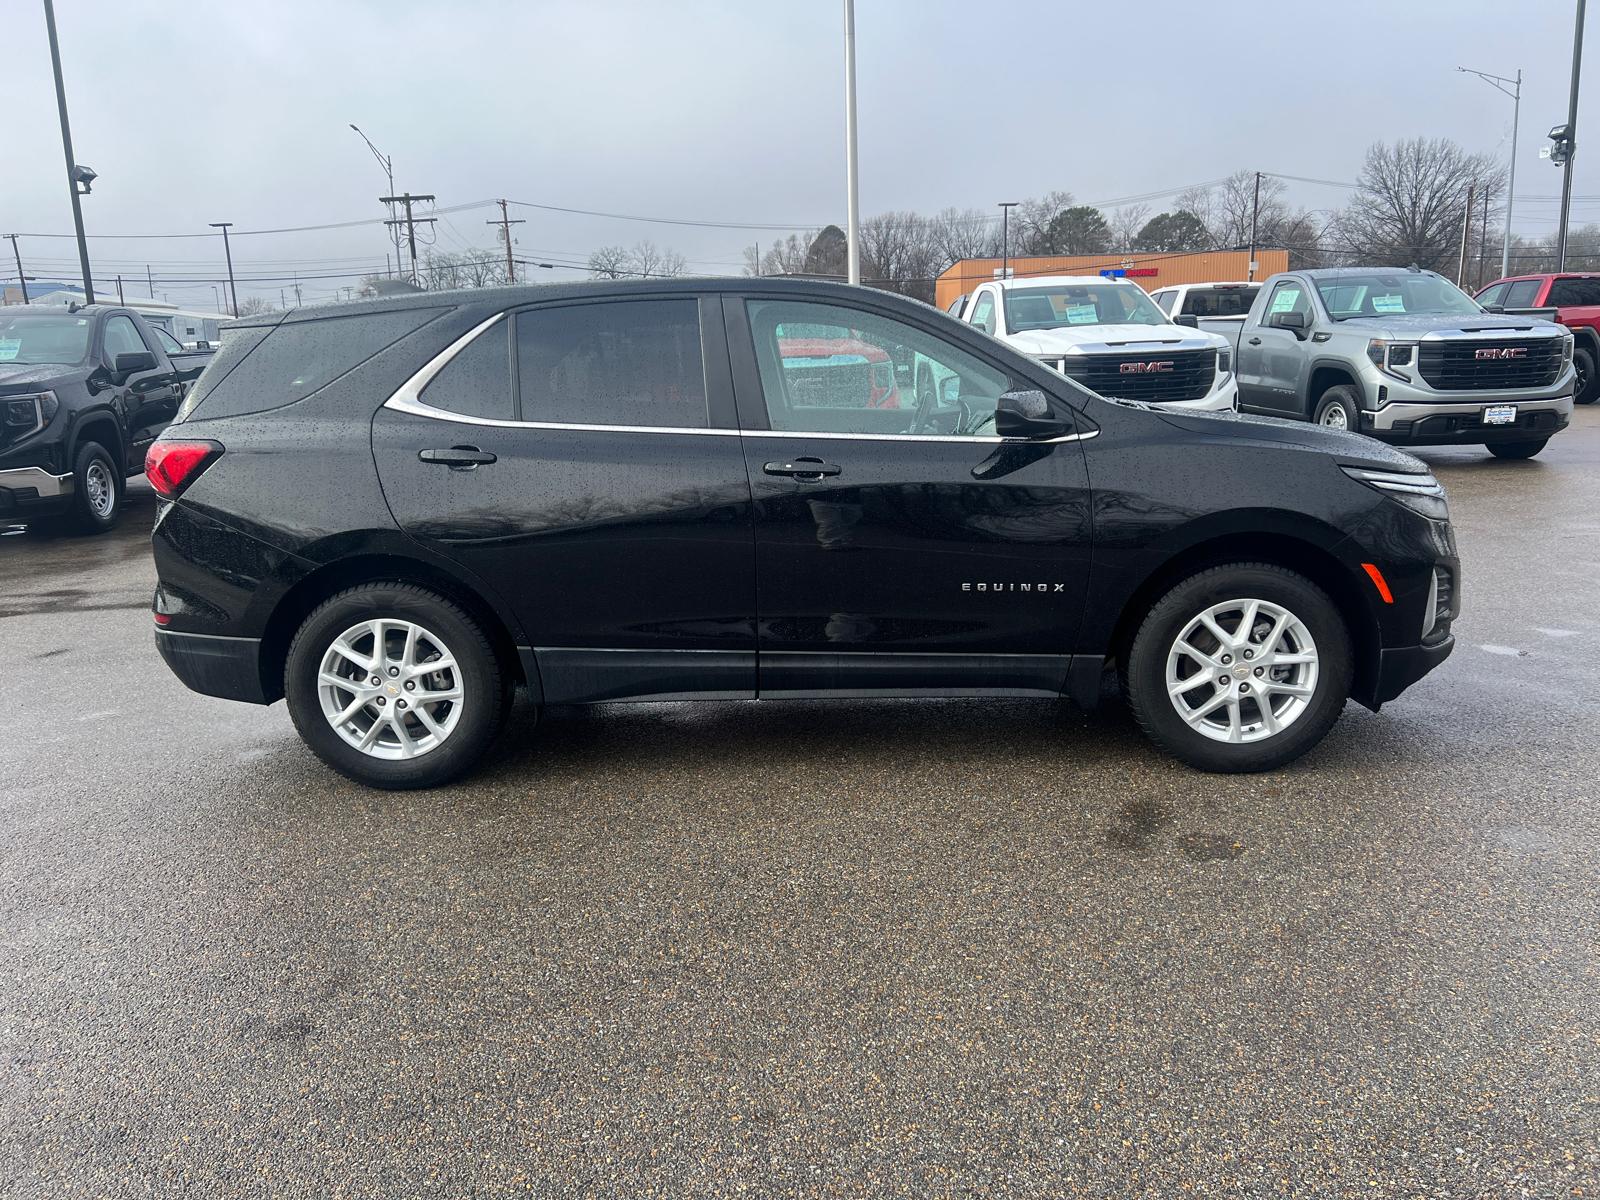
x,y
1149,271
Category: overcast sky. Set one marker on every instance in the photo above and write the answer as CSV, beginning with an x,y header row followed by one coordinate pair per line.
x,y
719,112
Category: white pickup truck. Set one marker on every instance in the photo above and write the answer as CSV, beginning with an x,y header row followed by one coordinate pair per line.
x,y
1107,335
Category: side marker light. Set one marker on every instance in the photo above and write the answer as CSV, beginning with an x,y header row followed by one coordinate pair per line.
x,y
1379,581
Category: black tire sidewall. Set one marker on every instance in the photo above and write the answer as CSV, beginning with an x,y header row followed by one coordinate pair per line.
x,y
1345,398
1516,450
1591,390
483,685
1147,662
83,512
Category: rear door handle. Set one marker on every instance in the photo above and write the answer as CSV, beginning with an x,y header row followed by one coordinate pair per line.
x,y
1255,341
813,467
457,457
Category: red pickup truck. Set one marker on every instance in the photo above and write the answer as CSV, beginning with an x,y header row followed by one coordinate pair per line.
x,y
1576,301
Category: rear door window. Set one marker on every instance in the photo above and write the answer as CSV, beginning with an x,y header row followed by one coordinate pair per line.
x,y
1220,302
477,381
290,362
630,362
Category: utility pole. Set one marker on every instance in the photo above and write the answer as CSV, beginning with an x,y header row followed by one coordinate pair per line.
x,y
152,280
20,276
1005,237
505,224
1255,216
852,180
1571,139
119,290
224,226
1498,81
1466,229
411,224
75,174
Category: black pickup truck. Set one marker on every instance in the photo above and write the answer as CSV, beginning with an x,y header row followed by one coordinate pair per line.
x,y
83,392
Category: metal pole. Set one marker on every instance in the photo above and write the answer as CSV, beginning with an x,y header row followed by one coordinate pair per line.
x,y
852,177
1511,187
233,291
1255,215
1005,237
21,278
119,290
152,280
1466,229
66,144
1572,139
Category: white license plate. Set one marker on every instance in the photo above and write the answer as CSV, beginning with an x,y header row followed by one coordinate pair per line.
x,y
1500,414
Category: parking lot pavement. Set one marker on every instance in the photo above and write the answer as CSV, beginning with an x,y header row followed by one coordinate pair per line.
x,y
958,948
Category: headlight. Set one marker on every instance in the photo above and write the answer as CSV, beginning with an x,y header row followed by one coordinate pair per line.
x,y
1420,493
24,416
1224,361
1566,349
1386,356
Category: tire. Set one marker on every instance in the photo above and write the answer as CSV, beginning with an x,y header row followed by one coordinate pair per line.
x,y
96,489
1337,409
1516,449
1236,740
1588,381
436,740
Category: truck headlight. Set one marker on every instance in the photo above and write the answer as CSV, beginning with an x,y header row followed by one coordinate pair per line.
x,y
1224,361
1387,356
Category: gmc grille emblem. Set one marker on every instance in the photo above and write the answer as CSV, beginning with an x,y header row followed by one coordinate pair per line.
x,y
1141,368
1505,352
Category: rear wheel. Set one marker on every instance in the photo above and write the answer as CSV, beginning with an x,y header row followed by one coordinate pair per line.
x,y
1587,385
1516,449
1337,409
395,686
97,489
1240,668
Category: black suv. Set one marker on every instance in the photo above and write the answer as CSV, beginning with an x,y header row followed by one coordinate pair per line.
x,y
394,512
83,392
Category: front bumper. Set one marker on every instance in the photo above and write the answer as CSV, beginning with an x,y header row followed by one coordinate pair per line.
x,y
1399,669
1460,422
33,491
1223,397
228,667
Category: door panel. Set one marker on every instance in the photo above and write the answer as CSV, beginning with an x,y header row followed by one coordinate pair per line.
x,y
625,551
935,564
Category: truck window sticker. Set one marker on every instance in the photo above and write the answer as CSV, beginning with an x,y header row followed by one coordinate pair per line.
x,y
1081,314
1388,304
1284,299
9,348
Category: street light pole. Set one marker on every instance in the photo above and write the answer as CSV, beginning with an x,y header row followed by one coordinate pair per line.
x,y
387,164
1005,237
1571,139
21,278
224,226
852,177
1499,81
74,175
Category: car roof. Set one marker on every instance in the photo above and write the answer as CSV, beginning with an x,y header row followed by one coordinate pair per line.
x,y
1337,272
1075,280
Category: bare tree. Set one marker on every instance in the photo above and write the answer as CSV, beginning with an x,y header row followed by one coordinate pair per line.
x,y
1030,221
970,233
786,257
1126,223
254,306
643,260
609,262
1411,203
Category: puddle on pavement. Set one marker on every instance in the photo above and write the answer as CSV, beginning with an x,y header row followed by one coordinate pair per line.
x,y
1138,822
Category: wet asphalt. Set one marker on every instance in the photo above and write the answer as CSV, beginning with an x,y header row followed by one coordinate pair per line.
x,y
960,948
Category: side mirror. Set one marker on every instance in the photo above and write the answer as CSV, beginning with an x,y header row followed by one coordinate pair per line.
x,y
135,360
950,389
1494,308
1188,320
1287,320
1028,414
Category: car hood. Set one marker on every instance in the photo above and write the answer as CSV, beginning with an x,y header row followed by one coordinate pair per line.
x,y
1414,326
1111,338
19,375
1344,446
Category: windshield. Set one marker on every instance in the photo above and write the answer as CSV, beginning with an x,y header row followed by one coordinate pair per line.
x,y
42,338
1066,305
1384,294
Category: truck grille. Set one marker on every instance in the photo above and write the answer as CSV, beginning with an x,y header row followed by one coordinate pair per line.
x,y
1185,374
1456,367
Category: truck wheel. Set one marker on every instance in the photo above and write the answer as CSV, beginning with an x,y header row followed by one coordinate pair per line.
x,y
1337,409
96,489
1588,381
1516,449
395,687
1242,667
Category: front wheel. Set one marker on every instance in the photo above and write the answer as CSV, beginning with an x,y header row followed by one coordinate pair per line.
x,y
1516,449
97,489
1240,668
394,686
1337,409
1586,387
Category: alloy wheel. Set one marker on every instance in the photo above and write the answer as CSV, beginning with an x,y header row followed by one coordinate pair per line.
x,y
390,688
1242,670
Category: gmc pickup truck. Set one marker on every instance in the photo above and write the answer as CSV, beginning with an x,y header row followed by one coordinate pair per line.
x,y
83,392
1571,300
1406,357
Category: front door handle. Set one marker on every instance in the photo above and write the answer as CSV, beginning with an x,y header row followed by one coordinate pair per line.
x,y
813,468
1255,341
457,457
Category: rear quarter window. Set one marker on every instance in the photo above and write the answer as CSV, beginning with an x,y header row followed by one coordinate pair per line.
x,y
278,365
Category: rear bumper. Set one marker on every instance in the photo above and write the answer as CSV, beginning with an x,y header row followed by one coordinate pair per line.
x,y
1399,669
228,667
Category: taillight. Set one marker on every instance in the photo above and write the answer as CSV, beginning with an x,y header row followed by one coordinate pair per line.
x,y
172,466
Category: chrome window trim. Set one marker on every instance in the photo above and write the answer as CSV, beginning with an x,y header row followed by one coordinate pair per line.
x,y
920,437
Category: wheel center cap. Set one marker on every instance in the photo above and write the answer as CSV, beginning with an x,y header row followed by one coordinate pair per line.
x,y
1240,672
